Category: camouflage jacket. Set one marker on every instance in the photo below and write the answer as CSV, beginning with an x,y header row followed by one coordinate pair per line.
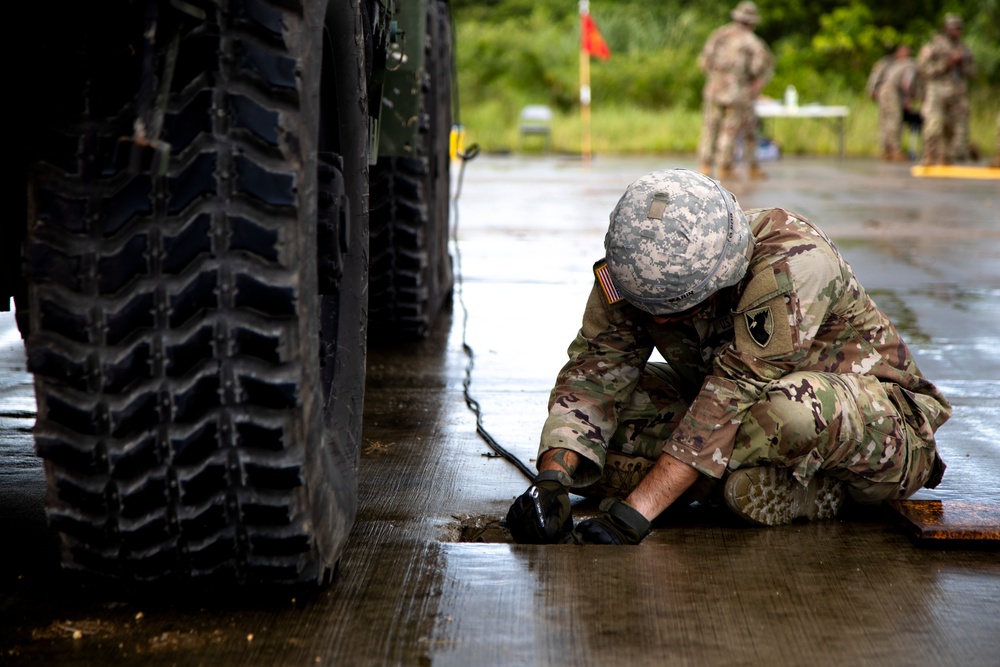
x,y
935,68
877,76
899,84
799,308
734,59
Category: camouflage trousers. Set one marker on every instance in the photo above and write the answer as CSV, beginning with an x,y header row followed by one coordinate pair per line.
x,y
852,427
722,126
946,124
890,126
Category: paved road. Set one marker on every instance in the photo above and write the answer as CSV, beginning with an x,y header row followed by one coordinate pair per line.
x,y
701,590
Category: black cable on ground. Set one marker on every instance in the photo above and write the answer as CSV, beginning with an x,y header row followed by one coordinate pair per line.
x,y
472,403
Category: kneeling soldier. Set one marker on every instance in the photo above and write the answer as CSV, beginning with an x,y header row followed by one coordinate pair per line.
x,y
782,376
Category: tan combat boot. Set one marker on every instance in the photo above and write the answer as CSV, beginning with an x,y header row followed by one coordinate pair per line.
x,y
757,174
726,173
771,496
705,168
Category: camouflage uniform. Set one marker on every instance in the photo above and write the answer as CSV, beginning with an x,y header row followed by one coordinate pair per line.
x,y
894,93
794,365
877,75
737,64
946,104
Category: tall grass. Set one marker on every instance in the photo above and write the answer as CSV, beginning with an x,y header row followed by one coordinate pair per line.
x,y
646,98
628,130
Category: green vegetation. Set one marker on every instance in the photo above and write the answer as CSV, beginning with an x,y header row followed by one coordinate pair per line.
x,y
647,97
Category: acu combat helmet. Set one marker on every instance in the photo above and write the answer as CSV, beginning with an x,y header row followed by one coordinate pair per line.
x,y
676,238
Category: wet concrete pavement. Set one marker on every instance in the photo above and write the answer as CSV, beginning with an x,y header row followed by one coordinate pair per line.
x,y
701,590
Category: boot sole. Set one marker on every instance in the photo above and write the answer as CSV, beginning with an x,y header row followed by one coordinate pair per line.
x,y
770,496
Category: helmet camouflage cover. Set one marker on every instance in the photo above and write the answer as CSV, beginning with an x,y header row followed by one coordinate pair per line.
x,y
676,238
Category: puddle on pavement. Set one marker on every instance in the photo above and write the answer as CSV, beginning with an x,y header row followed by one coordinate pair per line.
x,y
477,529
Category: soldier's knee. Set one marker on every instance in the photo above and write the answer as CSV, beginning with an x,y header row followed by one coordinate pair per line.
x,y
782,412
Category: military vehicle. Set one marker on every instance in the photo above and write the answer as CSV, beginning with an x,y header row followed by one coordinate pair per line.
x,y
223,199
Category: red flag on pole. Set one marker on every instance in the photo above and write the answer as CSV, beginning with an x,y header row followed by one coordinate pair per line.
x,y
591,40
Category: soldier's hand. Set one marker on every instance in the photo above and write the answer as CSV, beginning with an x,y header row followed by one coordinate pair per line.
x,y
620,524
541,515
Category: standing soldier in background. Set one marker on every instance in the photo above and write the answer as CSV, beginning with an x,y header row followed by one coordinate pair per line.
x,y
894,89
946,65
737,65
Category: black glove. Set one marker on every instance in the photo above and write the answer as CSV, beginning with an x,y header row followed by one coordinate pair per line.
x,y
541,515
620,524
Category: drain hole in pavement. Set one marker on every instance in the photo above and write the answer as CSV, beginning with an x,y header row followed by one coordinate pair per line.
x,y
477,528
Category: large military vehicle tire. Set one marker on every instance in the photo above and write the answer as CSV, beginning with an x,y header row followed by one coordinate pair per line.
x,y
411,270
198,399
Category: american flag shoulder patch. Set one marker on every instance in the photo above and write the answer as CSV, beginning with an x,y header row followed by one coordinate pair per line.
x,y
607,285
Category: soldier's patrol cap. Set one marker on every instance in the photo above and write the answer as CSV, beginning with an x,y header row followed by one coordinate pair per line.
x,y
676,237
952,21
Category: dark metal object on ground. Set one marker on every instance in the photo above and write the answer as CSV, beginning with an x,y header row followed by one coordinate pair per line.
x,y
950,519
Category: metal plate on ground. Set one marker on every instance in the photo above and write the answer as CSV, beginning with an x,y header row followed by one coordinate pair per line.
x,y
951,519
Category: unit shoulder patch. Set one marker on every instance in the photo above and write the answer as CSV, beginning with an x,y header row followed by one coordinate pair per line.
x,y
765,331
760,325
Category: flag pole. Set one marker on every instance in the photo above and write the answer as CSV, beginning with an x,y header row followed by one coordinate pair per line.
x,y
585,149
